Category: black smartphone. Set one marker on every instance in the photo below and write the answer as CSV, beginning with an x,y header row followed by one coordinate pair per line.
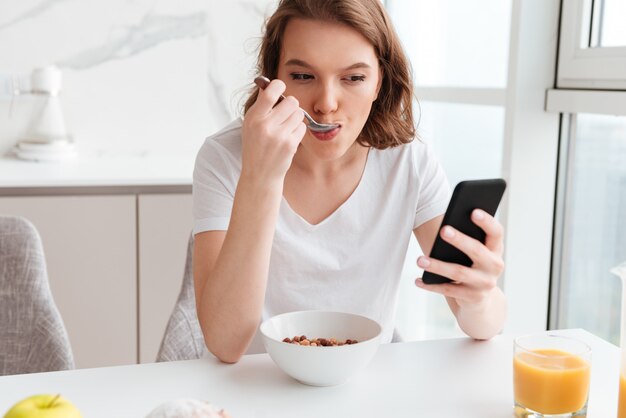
x,y
467,196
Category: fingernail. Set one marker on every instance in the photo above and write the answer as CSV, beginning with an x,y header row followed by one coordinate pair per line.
x,y
423,262
419,282
478,214
448,232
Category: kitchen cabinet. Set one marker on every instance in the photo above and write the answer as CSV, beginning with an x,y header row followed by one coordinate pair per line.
x,y
90,248
114,225
115,264
165,224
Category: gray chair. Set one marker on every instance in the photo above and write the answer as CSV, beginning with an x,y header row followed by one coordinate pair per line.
x,y
32,334
183,338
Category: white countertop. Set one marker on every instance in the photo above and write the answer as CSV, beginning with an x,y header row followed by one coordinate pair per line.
x,y
99,168
439,378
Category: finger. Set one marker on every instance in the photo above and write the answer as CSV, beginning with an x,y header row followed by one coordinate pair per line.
x,y
459,292
293,118
295,126
455,272
281,114
268,97
472,276
451,290
473,248
300,131
482,257
493,229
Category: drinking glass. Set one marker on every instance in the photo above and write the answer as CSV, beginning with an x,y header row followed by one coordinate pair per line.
x,y
550,376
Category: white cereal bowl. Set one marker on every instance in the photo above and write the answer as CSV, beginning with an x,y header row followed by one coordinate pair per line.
x,y
321,366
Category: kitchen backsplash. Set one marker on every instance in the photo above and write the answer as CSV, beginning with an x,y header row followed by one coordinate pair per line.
x,y
138,75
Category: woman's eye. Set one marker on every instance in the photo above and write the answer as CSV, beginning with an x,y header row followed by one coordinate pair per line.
x,y
301,76
355,78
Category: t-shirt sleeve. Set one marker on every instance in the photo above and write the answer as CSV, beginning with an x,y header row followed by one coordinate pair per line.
x,y
213,191
434,190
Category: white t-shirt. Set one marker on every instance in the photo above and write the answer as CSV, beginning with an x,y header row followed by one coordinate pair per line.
x,y
352,260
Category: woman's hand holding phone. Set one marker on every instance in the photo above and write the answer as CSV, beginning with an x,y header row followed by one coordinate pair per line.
x,y
466,262
472,286
271,134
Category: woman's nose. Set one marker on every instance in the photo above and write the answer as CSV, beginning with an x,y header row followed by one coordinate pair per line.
x,y
326,100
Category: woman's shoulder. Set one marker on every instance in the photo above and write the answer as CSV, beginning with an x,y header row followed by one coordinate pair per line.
x,y
227,139
221,152
414,151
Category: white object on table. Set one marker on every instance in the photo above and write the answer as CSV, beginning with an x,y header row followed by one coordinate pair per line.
x,y
319,366
438,378
46,138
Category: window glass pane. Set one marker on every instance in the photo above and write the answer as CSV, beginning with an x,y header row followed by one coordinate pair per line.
x,y
613,30
594,237
467,138
455,42
468,141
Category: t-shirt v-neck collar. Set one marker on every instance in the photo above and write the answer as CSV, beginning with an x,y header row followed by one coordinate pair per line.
x,y
334,214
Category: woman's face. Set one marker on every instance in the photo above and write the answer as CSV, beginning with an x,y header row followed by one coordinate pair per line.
x,y
333,72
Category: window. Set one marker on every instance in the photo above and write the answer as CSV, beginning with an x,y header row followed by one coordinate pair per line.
x,y
469,148
592,45
455,43
607,28
589,234
593,239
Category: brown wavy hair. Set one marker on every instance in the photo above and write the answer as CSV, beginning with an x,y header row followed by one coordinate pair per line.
x,y
390,122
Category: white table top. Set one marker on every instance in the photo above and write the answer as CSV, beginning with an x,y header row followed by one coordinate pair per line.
x,y
439,378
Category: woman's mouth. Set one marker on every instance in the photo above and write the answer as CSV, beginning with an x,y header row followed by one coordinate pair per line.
x,y
326,136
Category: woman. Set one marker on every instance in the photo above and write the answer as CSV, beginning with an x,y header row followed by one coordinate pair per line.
x,y
288,219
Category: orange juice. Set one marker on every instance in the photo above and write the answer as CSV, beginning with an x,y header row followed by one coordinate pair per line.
x,y
621,409
550,381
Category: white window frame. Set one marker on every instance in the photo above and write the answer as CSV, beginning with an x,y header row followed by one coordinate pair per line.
x,y
531,154
589,80
581,66
586,101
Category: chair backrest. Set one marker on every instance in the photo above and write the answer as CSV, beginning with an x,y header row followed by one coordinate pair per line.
x,y
183,339
32,334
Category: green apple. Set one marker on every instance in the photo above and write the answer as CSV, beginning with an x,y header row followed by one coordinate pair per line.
x,y
43,406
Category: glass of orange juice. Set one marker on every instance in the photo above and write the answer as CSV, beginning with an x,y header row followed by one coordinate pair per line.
x,y
551,376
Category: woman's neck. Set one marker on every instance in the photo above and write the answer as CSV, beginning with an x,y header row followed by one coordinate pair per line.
x,y
308,164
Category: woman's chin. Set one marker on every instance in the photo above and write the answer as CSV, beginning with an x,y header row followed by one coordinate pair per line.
x,y
326,151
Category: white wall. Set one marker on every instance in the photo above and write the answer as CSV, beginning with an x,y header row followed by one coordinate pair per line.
x,y
138,75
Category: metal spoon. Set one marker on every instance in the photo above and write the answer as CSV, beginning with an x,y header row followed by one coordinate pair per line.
x,y
263,82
